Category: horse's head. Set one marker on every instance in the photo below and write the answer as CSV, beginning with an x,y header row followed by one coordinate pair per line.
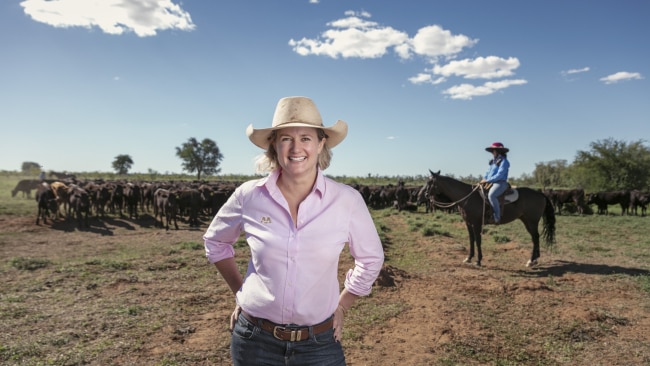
x,y
432,184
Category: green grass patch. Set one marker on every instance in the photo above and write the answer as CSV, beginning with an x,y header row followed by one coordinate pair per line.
x,y
29,264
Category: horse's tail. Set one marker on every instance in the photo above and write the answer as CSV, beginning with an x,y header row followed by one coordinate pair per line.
x,y
548,232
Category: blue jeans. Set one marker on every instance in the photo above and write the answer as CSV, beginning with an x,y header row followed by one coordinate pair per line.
x,y
251,345
493,196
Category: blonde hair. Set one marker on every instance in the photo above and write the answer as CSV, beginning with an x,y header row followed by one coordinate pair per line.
x,y
268,161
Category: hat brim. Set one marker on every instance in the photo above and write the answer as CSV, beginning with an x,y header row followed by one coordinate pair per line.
x,y
335,134
490,149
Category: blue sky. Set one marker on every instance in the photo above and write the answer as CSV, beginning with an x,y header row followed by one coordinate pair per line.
x,y
422,84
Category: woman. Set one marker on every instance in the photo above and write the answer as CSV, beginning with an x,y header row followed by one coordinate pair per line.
x,y
289,306
497,174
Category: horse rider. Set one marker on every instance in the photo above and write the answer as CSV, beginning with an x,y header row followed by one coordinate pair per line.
x,y
497,175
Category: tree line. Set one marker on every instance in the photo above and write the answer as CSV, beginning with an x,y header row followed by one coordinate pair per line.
x,y
608,165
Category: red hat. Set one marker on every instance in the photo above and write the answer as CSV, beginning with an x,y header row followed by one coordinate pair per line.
x,y
497,146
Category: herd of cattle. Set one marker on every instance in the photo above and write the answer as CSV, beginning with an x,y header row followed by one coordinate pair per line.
x,y
167,201
192,202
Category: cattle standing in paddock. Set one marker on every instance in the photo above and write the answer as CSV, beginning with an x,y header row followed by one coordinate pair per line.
x,y
60,191
401,196
132,196
560,197
46,203
603,199
213,198
79,204
189,202
100,199
25,186
639,199
116,201
365,192
147,196
165,205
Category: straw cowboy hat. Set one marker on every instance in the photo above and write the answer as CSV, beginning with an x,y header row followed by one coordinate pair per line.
x,y
297,112
497,146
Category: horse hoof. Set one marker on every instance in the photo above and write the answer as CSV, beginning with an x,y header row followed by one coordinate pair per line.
x,y
467,260
532,263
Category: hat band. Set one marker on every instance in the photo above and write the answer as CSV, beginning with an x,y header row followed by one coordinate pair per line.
x,y
289,122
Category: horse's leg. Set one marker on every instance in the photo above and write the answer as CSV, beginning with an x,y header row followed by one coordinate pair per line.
x,y
474,239
478,240
470,231
534,234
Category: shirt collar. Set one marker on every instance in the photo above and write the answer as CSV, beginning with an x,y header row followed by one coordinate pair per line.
x,y
271,182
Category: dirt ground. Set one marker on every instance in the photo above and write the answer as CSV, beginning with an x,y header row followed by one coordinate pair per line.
x,y
563,312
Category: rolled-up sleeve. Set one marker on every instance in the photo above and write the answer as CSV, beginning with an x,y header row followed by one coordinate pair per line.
x,y
366,249
224,230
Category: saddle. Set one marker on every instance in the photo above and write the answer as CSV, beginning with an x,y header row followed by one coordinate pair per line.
x,y
510,195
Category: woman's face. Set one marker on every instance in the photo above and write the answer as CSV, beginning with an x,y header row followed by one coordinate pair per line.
x,y
298,149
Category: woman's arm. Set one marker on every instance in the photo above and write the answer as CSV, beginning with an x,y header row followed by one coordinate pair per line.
x,y
229,271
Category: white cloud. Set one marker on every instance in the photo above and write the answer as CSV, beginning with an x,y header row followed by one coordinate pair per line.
x,y
434,41
467,91
575,71
351,37
423,78
479,68
143,17
621,76
355,36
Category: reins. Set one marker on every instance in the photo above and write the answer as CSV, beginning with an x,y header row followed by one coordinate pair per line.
x,y
451,204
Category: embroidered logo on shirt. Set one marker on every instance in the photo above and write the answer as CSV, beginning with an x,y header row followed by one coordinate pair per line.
x,y
265,220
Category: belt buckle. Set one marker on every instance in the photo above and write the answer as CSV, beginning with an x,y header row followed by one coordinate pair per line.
x,y
294,335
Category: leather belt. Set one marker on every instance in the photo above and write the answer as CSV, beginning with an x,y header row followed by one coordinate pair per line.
x,y
286,333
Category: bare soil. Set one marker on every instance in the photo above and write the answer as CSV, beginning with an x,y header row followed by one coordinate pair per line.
x,y
566,311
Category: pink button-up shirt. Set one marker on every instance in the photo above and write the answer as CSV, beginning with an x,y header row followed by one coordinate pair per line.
x,y
292,276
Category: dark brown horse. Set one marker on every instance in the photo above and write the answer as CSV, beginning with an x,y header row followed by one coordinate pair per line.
x,y
530,207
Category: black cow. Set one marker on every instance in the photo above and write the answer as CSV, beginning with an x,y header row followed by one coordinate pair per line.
x,y
101,198
132,197
639,199
559,197
604,199
147,195
116,201
46,201
79,203
165,205
402,196
189,202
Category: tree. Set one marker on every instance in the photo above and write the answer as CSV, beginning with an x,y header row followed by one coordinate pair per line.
x,y
30,167
122,164
550,174
202,158
614,165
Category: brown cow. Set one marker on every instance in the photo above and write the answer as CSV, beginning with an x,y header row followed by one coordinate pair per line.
x,y
60,191
26,186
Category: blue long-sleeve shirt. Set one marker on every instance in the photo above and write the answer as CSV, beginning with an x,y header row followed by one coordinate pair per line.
x,y
498,170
